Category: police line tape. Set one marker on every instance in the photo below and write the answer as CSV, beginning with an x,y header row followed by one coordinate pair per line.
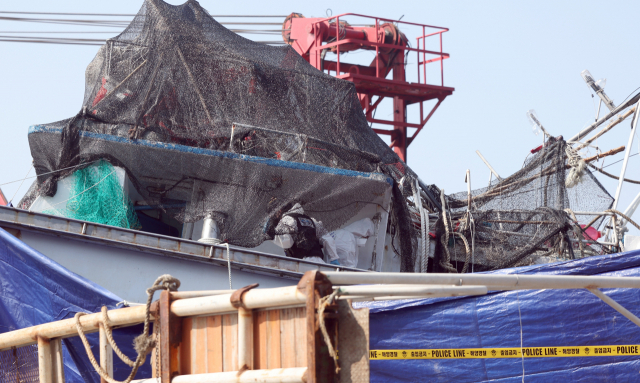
x,y
515,352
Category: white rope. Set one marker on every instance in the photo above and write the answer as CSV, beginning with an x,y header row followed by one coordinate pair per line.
x,y
424,228
578,165
229,266
44,174
216,241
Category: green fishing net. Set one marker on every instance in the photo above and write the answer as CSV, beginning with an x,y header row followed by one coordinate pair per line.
x,y
97,196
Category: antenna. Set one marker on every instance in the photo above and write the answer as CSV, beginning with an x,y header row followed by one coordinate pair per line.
x,y
598,87
535,123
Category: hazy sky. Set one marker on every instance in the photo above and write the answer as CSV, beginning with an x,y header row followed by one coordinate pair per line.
x,y
506,57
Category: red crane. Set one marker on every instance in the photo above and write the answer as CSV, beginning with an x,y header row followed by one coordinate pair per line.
x,y
312,38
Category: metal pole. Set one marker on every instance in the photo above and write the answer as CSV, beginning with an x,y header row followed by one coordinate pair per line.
x,y
489,166
616,306
630,210
627,152
411,290
601,121
493,282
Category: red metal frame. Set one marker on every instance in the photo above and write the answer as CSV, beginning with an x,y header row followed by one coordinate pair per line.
x,y
312,37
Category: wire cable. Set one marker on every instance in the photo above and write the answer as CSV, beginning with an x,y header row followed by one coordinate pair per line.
x,y
55,171
116,14
25,177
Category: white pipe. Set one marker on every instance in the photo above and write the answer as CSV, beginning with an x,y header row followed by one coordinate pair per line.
x,y
175,295
627,152
252,299
411,290
279,375
45,367
67,327
616,306
489,166
371,298
245,338
106,352
626,157
492,282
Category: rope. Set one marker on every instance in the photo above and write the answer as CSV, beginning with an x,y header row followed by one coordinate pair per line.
x,y
144,343
444,239
229,266
612,176
322,304
106,324
25,177
424,228
85,190
577,230
468,249
216,241
44,174
614,211
577,167
472,228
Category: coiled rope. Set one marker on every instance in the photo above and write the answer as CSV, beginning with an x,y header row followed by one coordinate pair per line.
x,y
322,305
143,343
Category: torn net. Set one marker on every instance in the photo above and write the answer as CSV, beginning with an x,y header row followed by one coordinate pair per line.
x,y
522,218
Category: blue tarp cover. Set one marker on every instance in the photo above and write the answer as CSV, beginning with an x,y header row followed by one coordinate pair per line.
x,y
546,318
35,290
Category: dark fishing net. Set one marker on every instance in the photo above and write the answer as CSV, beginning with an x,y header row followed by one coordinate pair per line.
x,y
522,218
202,117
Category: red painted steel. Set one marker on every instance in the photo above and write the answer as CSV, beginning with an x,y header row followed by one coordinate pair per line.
x,y
312,38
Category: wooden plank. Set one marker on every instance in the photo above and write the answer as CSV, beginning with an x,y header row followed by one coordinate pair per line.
x,y
287,338
44,360
199,346
320,365
260,340
214,344
273,339
57,362
300,325
164,305
106,354
230,342
185,347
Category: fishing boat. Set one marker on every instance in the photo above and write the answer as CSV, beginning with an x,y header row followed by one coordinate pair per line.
x,y
192,142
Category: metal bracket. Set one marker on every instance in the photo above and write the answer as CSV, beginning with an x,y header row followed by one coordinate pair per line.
x,y
617,306
236,297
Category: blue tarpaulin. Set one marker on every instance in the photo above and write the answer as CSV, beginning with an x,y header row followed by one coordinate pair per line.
x,y
509,319
36,290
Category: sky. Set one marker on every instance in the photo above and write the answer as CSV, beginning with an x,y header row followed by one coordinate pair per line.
x,y
506,57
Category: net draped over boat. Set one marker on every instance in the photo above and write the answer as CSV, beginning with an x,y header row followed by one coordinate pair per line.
x,y
240,112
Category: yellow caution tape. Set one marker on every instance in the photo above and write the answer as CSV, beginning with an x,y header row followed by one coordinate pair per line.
x,y
514,352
